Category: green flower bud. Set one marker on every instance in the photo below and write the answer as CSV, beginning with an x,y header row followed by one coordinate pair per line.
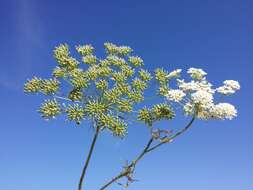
x,y
125,106
75,113
161,76
50,86
136,61
90,59
95,109
49,109
116,126
136,96
102,85
119,77
58,72
62,55
85,49
75,95
33,85
139,84
78,78
163,111
116,61
145,75
145,115
127,70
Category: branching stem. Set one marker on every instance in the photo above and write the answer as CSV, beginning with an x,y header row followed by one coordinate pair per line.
x,y
129,169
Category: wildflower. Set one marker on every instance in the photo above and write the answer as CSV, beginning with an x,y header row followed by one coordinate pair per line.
x,y
224,111
197,74
175,95
174,74
229,87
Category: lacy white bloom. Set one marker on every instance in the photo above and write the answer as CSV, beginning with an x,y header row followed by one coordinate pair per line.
x,y
197,74
224,111
175,95
232,84
203,111
202,97
195,85
229,87
174,74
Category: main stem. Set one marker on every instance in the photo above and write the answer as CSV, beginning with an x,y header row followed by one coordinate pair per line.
x,y
88,159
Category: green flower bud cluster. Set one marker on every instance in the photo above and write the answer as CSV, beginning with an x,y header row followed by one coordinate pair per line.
x,y
90,59
75,95
46,86
50,109
116,61
115,125
78,78
95,109
158,112
136,96
127,70
112,95
119,77
85,49
136,61
163,111
161,76
62,55
102,85
49,86
163,90
125,106
145,75
118,50
139,84
58,72
33,85
75,113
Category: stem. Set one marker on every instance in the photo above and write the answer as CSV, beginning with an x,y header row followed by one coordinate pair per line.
x,y
130,168
175,135
127,170
88,159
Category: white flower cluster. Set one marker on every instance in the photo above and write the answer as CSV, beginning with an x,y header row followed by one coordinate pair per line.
x,y
198,96
197,74
174,74
229,87
175,95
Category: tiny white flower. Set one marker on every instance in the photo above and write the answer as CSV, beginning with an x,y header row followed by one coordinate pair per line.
x,y
224,111
202,97
175,95
197,74
174,74
229,87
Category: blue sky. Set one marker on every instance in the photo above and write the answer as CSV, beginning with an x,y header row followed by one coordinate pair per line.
x,y
213,35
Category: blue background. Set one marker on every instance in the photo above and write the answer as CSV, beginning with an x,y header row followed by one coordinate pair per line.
x,y
214,35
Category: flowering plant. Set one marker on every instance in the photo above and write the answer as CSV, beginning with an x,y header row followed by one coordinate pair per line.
x,y
105,91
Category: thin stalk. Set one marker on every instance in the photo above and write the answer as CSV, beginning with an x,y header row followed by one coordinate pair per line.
x,y
81,181
130,168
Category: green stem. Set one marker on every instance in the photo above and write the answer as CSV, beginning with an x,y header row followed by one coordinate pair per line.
x,y
80,185
130,168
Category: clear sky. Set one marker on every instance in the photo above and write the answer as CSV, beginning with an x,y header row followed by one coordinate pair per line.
x,y
215,35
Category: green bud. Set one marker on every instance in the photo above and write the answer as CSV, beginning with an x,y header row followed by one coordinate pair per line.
x,y
33,85
75,113
85,49
136,61
50,109
75,95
